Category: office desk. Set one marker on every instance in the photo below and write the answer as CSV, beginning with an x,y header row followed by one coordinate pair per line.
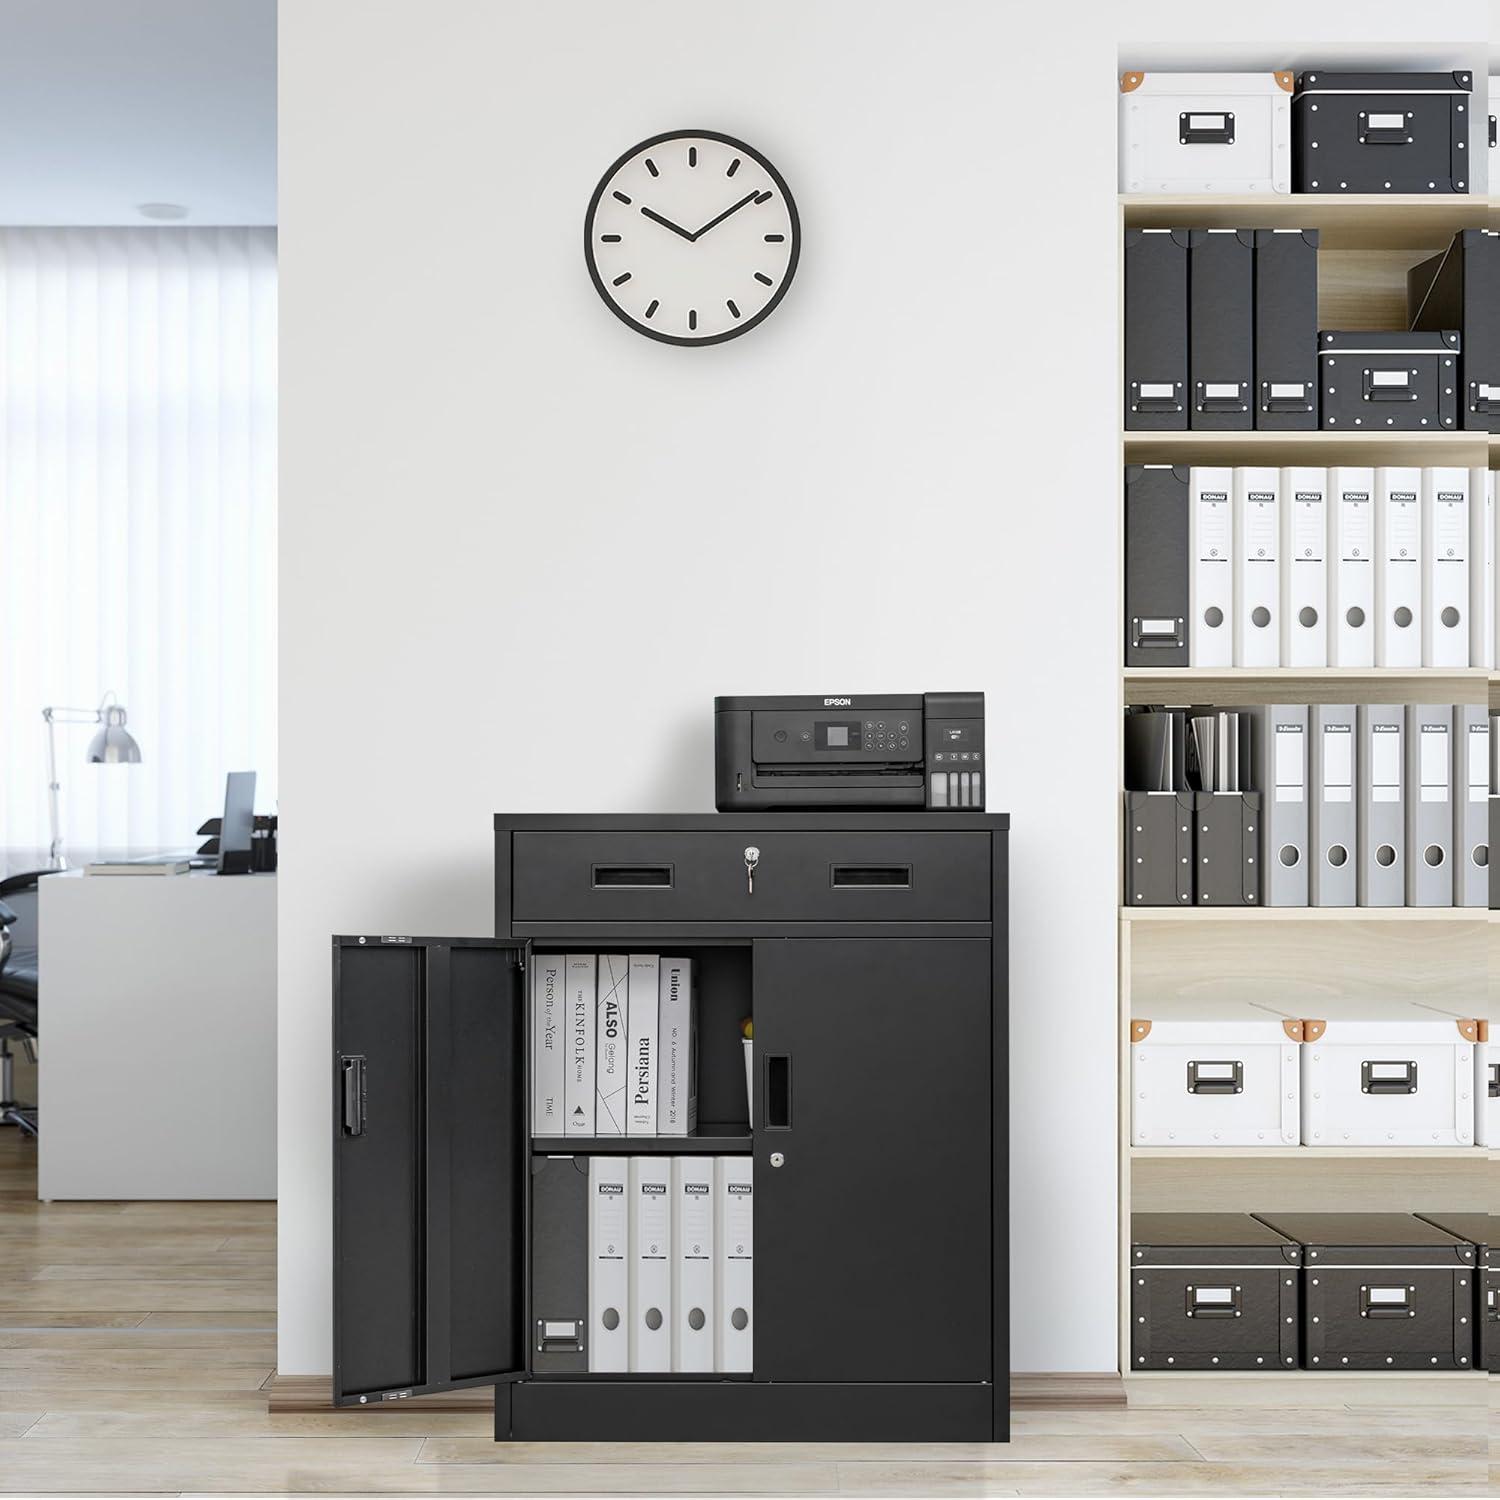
x,y
157,1052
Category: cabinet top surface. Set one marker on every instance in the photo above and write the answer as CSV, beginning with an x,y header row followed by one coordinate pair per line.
x,y
812,822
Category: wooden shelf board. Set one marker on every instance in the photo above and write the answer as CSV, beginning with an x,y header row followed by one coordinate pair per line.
x,y
1309,1153
1418,448
1346,221
1208,914
1305,685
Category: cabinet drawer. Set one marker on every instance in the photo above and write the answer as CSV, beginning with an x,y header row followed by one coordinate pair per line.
x,y
799,877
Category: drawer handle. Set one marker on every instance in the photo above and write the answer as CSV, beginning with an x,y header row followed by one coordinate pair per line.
x,y
631,877
863,877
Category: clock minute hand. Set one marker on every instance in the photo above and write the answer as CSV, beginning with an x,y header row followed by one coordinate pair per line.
x,y
668,224
732,209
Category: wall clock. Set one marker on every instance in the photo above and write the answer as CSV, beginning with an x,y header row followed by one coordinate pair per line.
x,y
692,237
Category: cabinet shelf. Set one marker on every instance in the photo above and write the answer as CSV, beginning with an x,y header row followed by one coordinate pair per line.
x,y
1305,685
1321,448
712,1140
1476,1154
1351,221
1148,914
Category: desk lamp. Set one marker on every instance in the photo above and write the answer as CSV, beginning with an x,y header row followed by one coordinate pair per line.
x,y
112,745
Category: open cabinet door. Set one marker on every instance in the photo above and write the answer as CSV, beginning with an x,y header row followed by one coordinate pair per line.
x,y
428,1166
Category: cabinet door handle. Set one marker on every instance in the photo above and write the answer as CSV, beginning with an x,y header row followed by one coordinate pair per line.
x,y
778,1092
352,1076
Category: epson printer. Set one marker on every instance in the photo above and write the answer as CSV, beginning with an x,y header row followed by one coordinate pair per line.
x,y
916,750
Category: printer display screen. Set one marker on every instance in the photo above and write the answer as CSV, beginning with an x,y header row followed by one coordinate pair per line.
x,y
838,736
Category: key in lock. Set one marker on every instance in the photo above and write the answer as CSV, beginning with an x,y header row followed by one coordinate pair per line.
x,y
752,858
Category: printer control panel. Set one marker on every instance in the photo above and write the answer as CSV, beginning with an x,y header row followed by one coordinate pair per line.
x,y
848,737
955,763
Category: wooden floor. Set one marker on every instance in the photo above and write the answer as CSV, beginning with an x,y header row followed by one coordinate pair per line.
x,y
136,1339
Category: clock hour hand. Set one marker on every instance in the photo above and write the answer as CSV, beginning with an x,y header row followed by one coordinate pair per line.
x,y
668,224
732,209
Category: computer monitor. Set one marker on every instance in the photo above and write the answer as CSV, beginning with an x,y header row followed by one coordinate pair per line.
x,y
239,823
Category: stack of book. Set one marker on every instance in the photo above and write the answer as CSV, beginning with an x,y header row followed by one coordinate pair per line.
x,y
614,1045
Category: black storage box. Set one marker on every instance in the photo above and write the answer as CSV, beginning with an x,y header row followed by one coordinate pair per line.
x,y
1479,1230
1156,330
1286,329
1381,132
1461,289
1389,382
1382,1292
1156,565
1212,1292
1221,328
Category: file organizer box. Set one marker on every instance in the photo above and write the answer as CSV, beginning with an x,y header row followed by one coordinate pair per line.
x,y
1381,1292
1206,132
1212,1292
1159,848
1215,1073
1286,330
1388,382
1381,132
1387,1073
1479,1231
1221,329
1226,848
1156,565
560,1331
1460,289
1156,330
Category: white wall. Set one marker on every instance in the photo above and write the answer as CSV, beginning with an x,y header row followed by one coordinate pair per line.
x,y
522,547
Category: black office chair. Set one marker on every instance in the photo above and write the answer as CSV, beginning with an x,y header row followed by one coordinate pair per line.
x,y
18,991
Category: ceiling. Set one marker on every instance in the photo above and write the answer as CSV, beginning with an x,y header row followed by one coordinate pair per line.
x,y
108,104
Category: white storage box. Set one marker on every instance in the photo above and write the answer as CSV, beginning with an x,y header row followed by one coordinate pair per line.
x,y
1386,1073
1486,1077
1214,1073
1206,132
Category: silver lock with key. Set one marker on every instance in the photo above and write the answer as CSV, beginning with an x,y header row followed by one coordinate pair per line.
x,y
752,858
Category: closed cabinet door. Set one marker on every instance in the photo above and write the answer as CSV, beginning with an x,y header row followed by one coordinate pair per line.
x,y
874,1223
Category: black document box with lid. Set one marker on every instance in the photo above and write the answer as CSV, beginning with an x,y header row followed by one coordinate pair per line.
x,y
1221,328
1381,132
1388,382
1212,1292
1382,1292
1156,330
1479,1231
458,1239
1460,289
1286,329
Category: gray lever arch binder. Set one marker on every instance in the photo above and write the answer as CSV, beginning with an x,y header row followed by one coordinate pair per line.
x,y
1333,833
1429,804
1382,812
1280,771
1471,786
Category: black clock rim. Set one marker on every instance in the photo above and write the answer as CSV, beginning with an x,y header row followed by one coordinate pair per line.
x,y
739,328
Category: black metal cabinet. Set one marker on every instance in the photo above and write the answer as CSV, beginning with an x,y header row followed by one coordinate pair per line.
x,y
871,952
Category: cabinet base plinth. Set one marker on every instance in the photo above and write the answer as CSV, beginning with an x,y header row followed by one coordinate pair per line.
x,y
748,1411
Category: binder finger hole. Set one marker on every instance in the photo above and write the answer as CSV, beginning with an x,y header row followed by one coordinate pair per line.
x,y
1450,617
1480,854
1355,617
611,1318
653,1318
1385,855
1290,855
1213,617
1402,617
1337,856
1260,616
1434,854
1307,617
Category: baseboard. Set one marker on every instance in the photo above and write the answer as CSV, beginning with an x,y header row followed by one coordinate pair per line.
x,y
289,1393
1068,1388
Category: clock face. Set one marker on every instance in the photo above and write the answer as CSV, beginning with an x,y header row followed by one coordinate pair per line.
x,y
692,237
